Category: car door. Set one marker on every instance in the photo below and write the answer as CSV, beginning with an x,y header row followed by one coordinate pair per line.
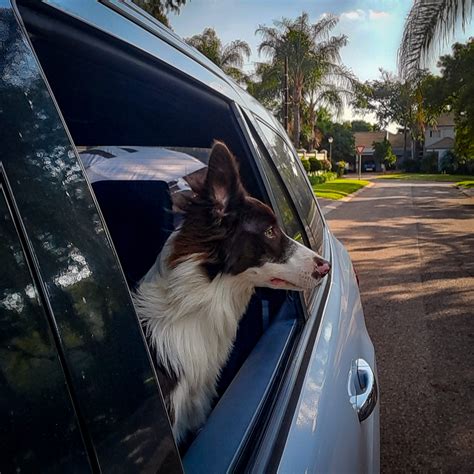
x,y
71,342
322,430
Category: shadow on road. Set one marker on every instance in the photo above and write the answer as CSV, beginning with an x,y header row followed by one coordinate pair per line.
x,y
413,248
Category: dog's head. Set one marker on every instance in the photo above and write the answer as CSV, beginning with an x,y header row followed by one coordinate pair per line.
x,y
230,232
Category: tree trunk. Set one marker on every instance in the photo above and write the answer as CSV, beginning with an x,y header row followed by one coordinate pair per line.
x,y
404,142
296,117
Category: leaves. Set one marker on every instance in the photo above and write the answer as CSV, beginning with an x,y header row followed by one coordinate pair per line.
x,y
428,23
230,57
316,75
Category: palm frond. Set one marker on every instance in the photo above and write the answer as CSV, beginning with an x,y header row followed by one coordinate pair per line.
x,y
428,24
234,53
323,27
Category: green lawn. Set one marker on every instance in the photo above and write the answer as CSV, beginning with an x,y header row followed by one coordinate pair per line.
x,y
427,177
466,184
338,188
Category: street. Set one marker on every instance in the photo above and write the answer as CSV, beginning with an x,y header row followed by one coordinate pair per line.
x,y
412,244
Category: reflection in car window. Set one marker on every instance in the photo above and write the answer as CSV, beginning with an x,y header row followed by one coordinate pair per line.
x,y
290,169
291,223
34,398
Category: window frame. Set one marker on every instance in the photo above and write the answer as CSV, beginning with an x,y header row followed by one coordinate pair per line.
x,y
257,122
32,268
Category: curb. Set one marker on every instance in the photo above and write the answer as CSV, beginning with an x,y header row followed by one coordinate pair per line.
x,y
469,192
331,207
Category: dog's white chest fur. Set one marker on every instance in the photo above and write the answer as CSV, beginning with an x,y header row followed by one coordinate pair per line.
x,y
191,323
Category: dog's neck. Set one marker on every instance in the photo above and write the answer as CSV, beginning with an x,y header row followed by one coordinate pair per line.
x,y
189,318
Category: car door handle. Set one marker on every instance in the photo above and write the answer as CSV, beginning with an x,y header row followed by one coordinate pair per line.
x,y
362,388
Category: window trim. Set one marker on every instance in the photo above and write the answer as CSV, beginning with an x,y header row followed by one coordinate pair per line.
x,y
257,122
35,273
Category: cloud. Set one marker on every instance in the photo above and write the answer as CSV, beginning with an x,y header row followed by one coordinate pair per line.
x,y
378,15
359,14
353,15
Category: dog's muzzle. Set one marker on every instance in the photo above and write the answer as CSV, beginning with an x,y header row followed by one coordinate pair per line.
x,y
322,268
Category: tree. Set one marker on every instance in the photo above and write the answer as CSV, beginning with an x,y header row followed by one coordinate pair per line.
x,y
428,23
395,100
314,63
454,91
363,126
383,153
343,144
229,57
159,8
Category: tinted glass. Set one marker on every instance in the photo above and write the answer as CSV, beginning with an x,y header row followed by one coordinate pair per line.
x,y
110,369
293,174
290,221
38,429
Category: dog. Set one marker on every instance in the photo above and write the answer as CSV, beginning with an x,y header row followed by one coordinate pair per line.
x,y
191,300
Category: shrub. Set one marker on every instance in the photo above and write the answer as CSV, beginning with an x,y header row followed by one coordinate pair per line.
x,y
322,178
449,163
411,166
454,164
330,175
341,166
429,163
315,164
306,165
326,165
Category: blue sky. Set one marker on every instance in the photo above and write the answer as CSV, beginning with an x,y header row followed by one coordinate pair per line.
x,y
373,27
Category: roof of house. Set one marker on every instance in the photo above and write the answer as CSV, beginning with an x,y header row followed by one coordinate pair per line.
x,y
445,120
397,140
446,143
367,138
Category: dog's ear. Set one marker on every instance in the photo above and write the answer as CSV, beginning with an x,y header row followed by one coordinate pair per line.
x,y
223,183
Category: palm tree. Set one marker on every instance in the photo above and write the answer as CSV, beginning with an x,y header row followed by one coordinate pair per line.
x,y
230,57
428,23
331,88
159,8
313,58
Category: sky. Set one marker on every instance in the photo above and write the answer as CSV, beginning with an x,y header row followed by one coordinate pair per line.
x,y
373,27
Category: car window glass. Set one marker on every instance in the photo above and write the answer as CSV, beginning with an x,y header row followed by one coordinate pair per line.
x,y
290,221
297,183
34,397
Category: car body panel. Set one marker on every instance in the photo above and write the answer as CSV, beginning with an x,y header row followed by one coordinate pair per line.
x,y
325,434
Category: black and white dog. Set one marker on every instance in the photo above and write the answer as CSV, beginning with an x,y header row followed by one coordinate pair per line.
x,y
192,299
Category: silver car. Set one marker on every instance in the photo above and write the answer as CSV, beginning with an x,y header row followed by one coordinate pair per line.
x,y
105,116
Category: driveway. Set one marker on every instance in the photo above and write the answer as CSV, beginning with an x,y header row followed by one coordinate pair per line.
x,y
412,245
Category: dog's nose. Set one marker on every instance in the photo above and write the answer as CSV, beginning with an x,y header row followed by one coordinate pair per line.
x,y
323,267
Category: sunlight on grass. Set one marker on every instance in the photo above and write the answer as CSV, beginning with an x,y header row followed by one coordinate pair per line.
x,y
466,184
427,177
338,188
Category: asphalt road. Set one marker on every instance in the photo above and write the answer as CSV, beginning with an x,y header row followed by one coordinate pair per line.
x,y
412,245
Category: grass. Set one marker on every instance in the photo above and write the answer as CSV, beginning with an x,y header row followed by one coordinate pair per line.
x,y
338,188
427,177
466,184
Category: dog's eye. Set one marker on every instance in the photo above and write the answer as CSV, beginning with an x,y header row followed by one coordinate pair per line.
x,y
270,233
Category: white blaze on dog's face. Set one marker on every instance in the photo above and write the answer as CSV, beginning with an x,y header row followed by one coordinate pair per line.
x,y
233,233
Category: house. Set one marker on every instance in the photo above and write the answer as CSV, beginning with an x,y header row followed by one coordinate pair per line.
x,y
366,139
440,138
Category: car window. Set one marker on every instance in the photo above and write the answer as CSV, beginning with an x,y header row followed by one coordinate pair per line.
x,y
32,383
298,186
282,202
